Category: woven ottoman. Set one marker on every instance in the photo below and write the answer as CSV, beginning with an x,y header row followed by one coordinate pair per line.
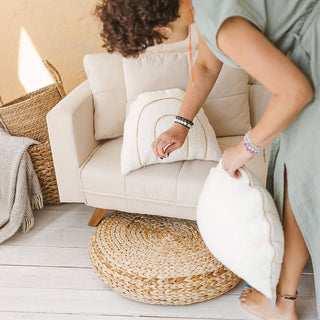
x,y
157,260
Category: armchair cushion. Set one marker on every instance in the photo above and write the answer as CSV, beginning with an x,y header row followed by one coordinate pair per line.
x,y
168,189
151,114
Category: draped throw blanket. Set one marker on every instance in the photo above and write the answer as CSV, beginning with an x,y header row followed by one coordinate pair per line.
x,y
20,190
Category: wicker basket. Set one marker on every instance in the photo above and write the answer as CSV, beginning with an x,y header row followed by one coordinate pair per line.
x,y
26,117
41,157
157,260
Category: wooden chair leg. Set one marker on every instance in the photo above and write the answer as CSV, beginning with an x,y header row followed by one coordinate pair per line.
x,y
97,217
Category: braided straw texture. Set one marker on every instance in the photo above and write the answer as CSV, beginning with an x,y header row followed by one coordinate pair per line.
x,y
26,117
157,260
42,160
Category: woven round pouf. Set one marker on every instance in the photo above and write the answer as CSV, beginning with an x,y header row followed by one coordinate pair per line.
x,y
157,260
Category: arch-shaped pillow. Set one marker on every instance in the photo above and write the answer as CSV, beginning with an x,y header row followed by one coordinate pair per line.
x,y
240,224
153,113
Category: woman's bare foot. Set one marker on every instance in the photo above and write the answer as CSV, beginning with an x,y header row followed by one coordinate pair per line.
x,y
258,305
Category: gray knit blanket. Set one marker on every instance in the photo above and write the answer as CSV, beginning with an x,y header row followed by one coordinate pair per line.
x,y
20,190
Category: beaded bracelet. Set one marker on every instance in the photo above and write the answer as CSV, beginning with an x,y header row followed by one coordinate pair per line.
x,y
249,145
183,121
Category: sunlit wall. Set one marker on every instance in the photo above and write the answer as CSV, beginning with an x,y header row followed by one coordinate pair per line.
x,y
62,31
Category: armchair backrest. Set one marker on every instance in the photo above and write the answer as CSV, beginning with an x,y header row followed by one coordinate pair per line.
x,y
235,103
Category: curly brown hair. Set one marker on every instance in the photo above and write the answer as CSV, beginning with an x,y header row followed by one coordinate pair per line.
x,y
128,24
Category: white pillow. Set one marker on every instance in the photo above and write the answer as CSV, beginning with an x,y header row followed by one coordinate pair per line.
x,y
105,76
164,67
157,69
239,223
227,105
153,113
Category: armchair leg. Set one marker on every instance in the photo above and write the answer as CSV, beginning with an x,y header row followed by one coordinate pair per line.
x,y
97,217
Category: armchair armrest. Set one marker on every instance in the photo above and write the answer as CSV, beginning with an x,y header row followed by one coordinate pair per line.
x,y
71,134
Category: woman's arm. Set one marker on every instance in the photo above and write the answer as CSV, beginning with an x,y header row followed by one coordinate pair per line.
x,y
206,71
250,49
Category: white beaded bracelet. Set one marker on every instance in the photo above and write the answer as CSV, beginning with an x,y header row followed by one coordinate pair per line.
x,y
184,123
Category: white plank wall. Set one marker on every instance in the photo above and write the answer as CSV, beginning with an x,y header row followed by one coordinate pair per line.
x,y
46,275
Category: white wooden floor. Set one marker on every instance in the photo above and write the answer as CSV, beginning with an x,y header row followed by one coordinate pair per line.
x,y
46,275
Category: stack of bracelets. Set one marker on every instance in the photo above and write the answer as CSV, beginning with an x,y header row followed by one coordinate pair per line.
x,y
183,121
249,145
246,140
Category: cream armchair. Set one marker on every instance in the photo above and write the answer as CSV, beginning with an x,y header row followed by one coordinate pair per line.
x,y
87,164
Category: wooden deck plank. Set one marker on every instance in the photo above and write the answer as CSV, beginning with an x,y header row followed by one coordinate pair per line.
x,y
68,278
67,207
111,303
46,237
66,301
59,220
44,256
50,278
48,316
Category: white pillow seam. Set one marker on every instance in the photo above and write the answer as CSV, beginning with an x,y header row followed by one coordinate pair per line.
x,y
270,228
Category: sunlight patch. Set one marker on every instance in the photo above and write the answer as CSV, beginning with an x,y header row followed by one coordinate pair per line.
x,y
31,71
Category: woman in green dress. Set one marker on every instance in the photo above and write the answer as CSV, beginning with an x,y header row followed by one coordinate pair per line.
x,y
278,43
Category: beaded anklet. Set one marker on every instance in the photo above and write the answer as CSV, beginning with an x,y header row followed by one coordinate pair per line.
x,y
287,297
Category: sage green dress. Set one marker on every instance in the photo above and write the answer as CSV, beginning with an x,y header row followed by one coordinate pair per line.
x,y
293,26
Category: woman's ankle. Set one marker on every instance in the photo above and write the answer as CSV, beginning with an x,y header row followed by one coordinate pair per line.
x,y
286,308
285,305
286,290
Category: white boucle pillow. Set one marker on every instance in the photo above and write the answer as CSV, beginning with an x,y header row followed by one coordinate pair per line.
x,y
105,75
239,223
153,113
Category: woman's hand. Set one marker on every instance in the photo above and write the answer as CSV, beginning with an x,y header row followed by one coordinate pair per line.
x,y
234,158
174,136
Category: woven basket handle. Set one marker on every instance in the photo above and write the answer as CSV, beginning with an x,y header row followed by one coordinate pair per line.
x,y
56,77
